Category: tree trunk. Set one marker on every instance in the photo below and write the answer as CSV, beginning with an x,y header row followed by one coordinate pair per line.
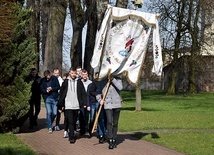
x,y
37,35
172,79
34,27
194,50
91,35
45,8
94,23
78,22
173,76
54,40
138,97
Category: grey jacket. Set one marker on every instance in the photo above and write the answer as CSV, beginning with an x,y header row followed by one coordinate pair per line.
x,y
113,99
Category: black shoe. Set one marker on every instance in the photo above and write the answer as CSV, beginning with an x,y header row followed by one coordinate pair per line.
x,y
101,139
35,123
72,141
114,143
82,133
110,144
30,127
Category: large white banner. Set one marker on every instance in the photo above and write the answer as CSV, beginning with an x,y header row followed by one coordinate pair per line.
x,y
122,43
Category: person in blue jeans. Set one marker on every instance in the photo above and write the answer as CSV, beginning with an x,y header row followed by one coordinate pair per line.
x,y
93,106
49,89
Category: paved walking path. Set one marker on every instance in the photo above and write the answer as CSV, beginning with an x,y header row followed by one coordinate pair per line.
x,y
54,144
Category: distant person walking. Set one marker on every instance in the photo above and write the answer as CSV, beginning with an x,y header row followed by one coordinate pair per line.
x,y
79,76
35,99
65,135
112,106
58,116
72,98
93,106
49,89
84,113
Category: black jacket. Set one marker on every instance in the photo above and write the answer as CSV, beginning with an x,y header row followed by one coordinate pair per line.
x,y
35,87
91,93
81,94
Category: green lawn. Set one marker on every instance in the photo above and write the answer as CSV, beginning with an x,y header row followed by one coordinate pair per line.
x,y
159,111
191,143
11,145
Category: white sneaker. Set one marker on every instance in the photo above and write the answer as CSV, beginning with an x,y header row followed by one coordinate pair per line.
x,y
57,128
50,130
65,134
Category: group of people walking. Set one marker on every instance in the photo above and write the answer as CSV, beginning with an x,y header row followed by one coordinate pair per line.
x,y
79,98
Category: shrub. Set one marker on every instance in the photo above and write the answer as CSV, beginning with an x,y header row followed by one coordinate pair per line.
x,y
17,57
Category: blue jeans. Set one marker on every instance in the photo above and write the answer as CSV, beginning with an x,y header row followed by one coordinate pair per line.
x,y
51,111
101,121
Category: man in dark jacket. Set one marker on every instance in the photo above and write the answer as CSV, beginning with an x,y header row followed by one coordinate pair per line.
x,y
35,99
72,98
93,106
49,89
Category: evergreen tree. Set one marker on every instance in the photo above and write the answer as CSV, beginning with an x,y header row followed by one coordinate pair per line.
x,y
17,57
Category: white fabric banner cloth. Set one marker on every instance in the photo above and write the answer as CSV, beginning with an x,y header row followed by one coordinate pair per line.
x,y
122,43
